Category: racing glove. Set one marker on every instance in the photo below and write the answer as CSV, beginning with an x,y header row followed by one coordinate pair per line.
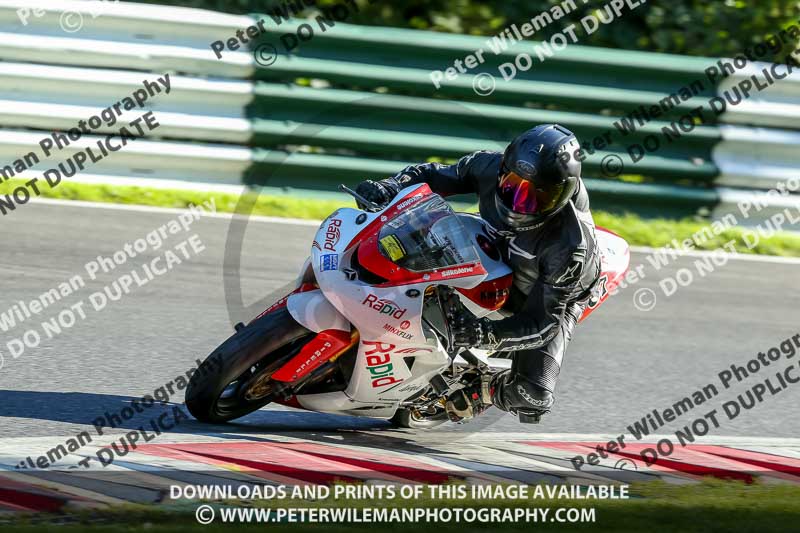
x,y
378,192
470,401
471,332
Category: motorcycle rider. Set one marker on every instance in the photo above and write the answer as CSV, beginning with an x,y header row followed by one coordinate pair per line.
x,y
536,208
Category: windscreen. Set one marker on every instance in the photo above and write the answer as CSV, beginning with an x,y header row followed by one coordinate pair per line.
x,y
427,237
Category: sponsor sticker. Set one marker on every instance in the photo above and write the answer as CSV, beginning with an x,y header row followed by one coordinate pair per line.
x,y
528,169
312,359
456,271
332,234
392,246
379,364
329,262
412,200
384,306
396,331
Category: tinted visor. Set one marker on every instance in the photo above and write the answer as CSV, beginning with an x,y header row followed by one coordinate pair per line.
x,y
524,197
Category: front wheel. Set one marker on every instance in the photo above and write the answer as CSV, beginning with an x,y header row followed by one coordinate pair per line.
x,y
235,379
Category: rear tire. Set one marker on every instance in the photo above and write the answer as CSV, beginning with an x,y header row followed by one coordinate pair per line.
x,y
221,388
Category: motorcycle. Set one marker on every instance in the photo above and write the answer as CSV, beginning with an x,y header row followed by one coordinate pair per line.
x,y
367,328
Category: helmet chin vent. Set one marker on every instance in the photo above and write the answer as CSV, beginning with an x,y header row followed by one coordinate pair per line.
x,y
517,221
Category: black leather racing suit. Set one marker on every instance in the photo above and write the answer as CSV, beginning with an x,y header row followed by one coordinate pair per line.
x,y
555,268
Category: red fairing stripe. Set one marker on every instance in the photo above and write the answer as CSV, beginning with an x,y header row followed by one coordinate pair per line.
x,y
326,346
601,228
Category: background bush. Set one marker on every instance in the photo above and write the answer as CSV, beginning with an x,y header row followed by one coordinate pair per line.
x,y
692,27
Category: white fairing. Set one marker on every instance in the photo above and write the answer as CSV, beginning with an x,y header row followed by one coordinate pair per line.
x,y
615,254
313,311
395,360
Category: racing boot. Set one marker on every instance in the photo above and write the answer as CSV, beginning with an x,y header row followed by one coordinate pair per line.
x,y
517,395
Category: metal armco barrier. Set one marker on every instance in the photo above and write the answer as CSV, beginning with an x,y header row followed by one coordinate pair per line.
x,y
357,102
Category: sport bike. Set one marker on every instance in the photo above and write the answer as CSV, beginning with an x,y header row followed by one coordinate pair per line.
x,y
366,329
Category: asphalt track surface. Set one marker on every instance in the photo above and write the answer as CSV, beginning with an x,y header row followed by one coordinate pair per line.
x,y
622,363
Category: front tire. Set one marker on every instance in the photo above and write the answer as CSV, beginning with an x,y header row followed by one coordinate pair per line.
x,y
234,380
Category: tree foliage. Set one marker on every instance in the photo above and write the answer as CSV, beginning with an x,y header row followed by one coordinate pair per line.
x,y
691,27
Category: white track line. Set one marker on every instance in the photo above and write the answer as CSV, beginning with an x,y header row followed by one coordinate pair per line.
x,y
316,223
12,445
741,257
174,210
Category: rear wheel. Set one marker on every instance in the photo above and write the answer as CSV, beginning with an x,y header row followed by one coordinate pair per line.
x,y
235,379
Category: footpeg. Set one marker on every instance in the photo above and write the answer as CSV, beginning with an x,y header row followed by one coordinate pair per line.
x,y
529,418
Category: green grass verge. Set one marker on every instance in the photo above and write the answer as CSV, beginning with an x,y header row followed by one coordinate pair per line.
x,y
636,230
711,506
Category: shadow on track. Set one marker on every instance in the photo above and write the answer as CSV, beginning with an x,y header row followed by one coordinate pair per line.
x,y
90,409
104,409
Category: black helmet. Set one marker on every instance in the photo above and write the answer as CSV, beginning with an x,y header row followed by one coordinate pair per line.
x,y
538,176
